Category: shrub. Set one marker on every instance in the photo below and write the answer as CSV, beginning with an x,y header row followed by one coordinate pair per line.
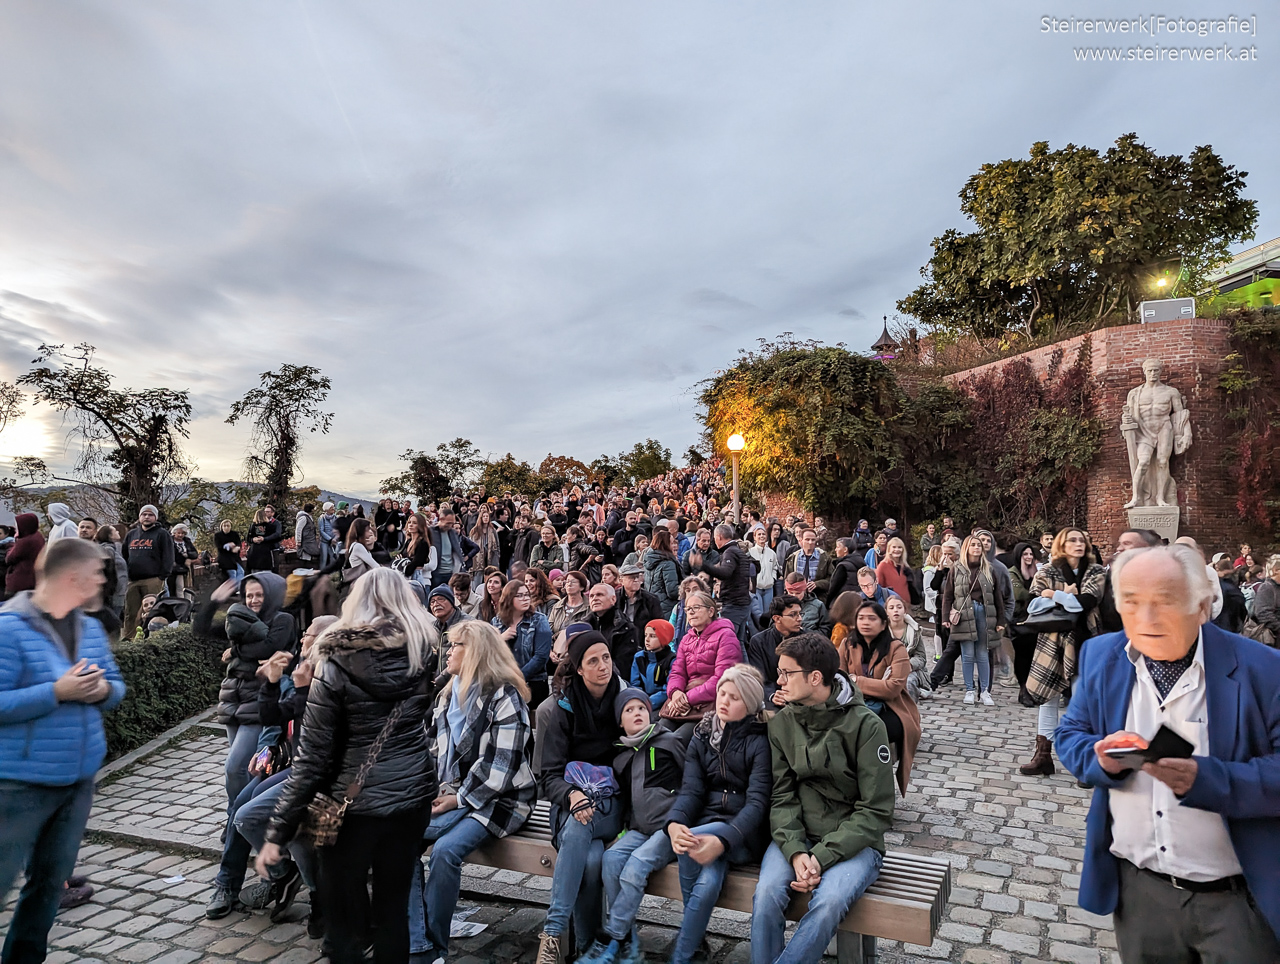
x,y
170,676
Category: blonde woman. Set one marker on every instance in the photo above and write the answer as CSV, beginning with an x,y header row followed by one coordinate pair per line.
x,y
487,787
973,606
373,683
894,573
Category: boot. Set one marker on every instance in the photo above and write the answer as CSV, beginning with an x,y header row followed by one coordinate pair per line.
x,y
1024,697
1041,761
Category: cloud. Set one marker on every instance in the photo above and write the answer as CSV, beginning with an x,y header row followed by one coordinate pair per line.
x,y
534,226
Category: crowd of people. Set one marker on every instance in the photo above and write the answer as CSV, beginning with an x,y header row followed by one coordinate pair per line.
x,y
679,685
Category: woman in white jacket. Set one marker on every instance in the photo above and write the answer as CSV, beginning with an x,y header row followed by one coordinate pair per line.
x,y
767,560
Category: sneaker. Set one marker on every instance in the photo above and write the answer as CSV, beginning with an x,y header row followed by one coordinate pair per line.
x,y
969,697
259,894
986,698
601,952
74,896
287,888
221,904
549,950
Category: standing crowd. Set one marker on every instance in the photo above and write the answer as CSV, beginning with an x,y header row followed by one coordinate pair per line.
x,y
679,686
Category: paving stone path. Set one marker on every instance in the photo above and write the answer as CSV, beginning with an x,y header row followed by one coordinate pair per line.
x,y
1015,844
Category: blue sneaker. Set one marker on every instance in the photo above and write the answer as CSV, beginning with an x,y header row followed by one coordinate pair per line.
x,y
631,953
601,953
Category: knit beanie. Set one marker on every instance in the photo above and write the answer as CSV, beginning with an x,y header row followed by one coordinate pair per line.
x,y
664,630
626,696
750,685
579,645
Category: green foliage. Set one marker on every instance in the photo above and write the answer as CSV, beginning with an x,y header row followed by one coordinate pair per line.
x,y
1070,239
423,480
605,470
508,475
285,403
1251,384
460,462
130,441
645,460
816,420
693,458
169,677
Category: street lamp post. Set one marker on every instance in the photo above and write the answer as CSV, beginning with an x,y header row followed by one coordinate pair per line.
x,y
735,444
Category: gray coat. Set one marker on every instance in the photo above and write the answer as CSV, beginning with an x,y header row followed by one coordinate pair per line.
x,y
651,775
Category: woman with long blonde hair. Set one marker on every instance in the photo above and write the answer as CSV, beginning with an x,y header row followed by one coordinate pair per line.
x,y
372,688
487,786
972,604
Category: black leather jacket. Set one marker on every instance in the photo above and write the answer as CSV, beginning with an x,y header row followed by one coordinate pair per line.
x,y
363,674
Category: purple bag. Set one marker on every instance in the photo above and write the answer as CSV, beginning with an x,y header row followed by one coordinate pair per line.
x,y
598,783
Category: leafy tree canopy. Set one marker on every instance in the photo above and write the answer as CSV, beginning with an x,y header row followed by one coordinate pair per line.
x,y
644,461
1066,240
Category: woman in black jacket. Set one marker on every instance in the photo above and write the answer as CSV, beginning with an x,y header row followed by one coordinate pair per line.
x,y
728,778
373,684
265,535
184,553
228,543
255,629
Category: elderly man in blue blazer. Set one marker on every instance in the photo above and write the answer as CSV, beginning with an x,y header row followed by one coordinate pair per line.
x,y
1184,851
56,678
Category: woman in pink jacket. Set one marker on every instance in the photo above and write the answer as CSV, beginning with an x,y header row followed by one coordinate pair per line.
x,y
709,648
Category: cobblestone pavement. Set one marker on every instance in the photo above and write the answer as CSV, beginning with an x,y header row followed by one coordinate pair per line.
x,y
1015,844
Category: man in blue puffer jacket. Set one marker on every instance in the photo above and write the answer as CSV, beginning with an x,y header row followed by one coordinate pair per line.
x,y
56,678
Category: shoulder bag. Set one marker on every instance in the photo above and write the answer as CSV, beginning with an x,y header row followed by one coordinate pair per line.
x,y
325,814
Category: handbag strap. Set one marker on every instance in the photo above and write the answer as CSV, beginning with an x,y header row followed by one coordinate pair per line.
x,y
362,774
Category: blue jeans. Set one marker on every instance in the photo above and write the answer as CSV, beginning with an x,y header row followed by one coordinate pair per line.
x,y
765,596
41,836
250,823
700,889
242,744
431,907
971,650
740,616
579,856
842,884
626,868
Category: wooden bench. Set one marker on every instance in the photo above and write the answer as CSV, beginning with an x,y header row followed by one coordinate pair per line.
x,y
904,904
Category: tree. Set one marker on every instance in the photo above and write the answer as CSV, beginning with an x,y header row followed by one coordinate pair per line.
x,y
604,470
1067,240
645,460
130,441
460,462
816,420
693,457
285,403
561,470
11,399
508,475
423,479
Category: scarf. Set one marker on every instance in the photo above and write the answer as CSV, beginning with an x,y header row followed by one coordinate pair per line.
x,y
592,716
637,741
1165,673
717,731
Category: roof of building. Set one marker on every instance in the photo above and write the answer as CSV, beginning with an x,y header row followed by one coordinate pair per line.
x,y
1260,261
884,341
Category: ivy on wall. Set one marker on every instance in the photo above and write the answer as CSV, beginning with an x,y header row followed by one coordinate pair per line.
x,y
1251,383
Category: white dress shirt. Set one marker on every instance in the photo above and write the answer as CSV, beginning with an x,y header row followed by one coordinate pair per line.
x,y
1150,826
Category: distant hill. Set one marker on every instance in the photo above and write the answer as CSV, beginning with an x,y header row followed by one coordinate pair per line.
x,y
6,511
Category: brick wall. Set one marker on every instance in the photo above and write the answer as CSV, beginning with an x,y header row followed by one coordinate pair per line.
x,y
1193,353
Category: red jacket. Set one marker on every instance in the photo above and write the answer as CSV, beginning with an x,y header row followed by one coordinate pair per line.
x,y
21,559
704,656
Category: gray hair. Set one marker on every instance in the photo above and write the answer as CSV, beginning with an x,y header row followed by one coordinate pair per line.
x,y
725,532
1273,564
1190,560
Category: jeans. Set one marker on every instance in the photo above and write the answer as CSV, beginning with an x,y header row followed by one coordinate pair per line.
x,y
242,744
248,831
42,831
579,856
627,866
1047,716
765,598
740,616
700,889
389,846
971,650
842,884
431,907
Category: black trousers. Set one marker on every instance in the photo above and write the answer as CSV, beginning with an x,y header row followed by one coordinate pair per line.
x,y
1024,648
388,845
946,664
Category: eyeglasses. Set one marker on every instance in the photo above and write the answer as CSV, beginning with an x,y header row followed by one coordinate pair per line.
x,y
785,674
522,594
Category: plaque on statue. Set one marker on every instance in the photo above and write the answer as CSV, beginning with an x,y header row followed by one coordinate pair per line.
x,y
1163,520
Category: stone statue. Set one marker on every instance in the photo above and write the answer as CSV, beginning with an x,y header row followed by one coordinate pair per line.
x,y
1156,424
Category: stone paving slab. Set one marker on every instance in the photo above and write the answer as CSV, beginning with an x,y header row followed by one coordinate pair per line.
x,y
1015,844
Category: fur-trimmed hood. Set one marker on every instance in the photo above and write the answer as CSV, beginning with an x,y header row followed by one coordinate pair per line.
x,y
374,657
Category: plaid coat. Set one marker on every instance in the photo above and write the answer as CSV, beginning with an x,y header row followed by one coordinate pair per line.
x,y
1054,662
491,759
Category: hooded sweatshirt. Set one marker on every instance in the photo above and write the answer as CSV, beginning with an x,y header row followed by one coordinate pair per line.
x,y
21,559
60,524
253,637
832,779
649,771
149,552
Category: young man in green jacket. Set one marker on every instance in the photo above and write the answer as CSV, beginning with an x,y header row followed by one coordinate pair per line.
x,y
832,803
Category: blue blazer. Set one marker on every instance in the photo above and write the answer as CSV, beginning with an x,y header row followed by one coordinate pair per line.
x,y
1240,779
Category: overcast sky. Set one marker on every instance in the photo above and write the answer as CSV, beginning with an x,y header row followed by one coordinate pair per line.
x,y
536,225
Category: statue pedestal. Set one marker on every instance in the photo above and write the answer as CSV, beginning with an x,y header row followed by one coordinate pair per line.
x,y
1159,518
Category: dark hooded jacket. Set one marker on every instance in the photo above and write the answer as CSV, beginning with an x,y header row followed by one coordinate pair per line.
x,y
149,552
253,637
730,783
650,777
1021,586
21,559
364,672
261,554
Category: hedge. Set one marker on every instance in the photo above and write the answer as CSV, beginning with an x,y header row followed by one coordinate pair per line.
x,y
170,676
